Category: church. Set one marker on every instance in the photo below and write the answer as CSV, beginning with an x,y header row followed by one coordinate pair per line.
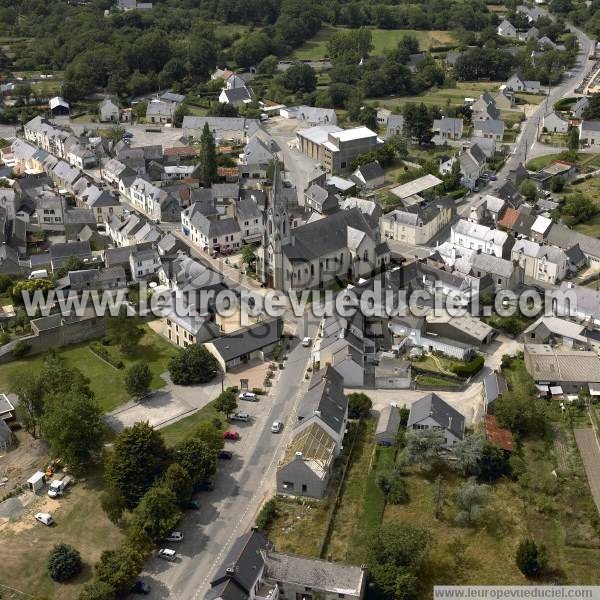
x,y
344,245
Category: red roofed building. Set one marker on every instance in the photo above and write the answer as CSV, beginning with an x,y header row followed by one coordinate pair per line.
x,y
497,435
181,152
509,218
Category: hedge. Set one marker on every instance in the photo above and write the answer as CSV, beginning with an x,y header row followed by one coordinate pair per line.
x,y
101,352
470,368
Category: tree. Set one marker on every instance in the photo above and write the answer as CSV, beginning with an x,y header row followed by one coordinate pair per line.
x,y
393,487
471,499
438,497
226,401
248,254
300,77
531,558
396,556
138,458
197,458
268,65
467,453
423,447
359,405
529,190
209,432
493,463
573,139
208,157
577,208
97,590
178,480
368,117
557,184
119,568
125,330
453,179
64,562
157,513
137,380
418,121
193,365
113,504
31,401
72,425
183,110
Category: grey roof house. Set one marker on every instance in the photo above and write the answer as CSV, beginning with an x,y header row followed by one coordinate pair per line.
x,y
431,412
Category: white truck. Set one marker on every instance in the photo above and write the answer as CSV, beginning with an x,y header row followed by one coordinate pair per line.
x,y
58,486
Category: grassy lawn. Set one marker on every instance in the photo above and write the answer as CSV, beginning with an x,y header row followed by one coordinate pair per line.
x,y
181,429
591,227
531,98
442,96
589,161
437,381
383,40
80,521
106,381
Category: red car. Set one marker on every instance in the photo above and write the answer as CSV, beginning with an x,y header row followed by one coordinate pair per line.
x,y
231,435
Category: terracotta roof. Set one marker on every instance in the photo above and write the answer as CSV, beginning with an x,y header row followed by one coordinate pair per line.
x,y
225,149
509,218
228,171
181,151
496,434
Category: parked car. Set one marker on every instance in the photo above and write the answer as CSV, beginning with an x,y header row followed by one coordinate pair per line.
x,y
231,435
167,554
226,454
44,518
248,396
306,342
276,427
240,416
175,536
140,587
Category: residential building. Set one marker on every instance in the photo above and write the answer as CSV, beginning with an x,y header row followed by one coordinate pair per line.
x,y
144,262
58,106
506,29
579,107
540,262
256,158
322,199
417,224
395,125
249,219
307,464
517,83
566,238
554,122
472,163
484,108
109,111
480,238
431,412
555,331
369,175
492,128
153,201
334,147
160,112
504,99
211,234
448,128
236,96
589,133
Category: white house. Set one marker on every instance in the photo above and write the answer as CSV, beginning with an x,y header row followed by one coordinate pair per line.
x,y
555,123
506,29
479,237
544,263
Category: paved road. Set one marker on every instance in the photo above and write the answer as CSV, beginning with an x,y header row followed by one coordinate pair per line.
x,y
241,485
526,145
590,454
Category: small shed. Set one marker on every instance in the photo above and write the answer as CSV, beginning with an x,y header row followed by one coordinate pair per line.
x,y
387,425
37,481
6,436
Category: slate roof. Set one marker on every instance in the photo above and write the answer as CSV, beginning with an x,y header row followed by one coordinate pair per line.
x,y
240,568
565,238
325,235
433,406
370,171
545,363
326,395
248,339
491,126
323,575
238,94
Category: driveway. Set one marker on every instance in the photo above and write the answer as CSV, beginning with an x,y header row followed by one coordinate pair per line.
x,y
164,406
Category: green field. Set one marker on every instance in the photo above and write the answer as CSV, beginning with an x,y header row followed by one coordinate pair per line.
x,y
442,96
383,39
105,380
80,521
181,429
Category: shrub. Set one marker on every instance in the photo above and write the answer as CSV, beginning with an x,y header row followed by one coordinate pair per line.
x,y
101,352
258,391
267,513
64,562
193,365
21,349
530,558
470,368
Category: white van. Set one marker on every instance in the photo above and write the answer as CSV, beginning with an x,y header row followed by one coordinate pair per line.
x,y
58,486
39,274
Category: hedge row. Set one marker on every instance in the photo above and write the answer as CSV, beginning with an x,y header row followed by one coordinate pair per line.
x,y
101,352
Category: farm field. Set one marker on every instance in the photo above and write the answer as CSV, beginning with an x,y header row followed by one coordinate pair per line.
x,y
383,39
